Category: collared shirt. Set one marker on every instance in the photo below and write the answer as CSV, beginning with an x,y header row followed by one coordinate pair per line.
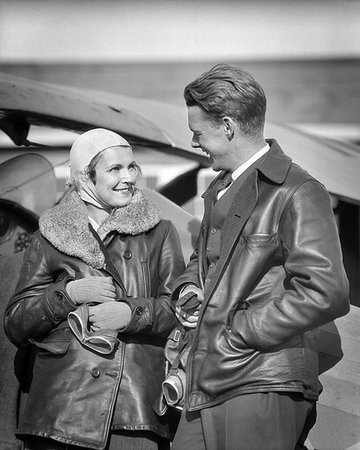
x,y
241,169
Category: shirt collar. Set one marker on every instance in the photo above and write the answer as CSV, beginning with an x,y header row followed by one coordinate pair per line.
x,y
241,169
94,224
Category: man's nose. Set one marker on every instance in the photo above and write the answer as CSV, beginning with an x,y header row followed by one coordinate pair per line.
x,y
194,143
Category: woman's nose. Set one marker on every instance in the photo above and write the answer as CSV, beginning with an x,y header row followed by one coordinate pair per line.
x,y
125,176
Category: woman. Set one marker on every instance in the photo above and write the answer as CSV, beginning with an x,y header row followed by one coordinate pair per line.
x,y
103,262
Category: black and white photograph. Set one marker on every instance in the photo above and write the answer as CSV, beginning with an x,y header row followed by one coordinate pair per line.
x,y
180,225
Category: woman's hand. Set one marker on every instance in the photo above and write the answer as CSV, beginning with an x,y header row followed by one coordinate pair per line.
x,y
91,290
109,315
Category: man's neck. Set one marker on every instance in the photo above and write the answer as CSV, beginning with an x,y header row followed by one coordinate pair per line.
x,y
246,149
249,162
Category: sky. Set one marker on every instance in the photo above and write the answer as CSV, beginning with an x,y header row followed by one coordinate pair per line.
x,y
160,30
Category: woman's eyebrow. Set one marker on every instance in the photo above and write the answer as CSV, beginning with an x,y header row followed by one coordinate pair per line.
x,y
121,164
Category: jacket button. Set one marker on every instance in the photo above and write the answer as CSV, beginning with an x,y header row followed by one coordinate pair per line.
x,y
212,265
138,310
213,230
207,280
127,254
95,372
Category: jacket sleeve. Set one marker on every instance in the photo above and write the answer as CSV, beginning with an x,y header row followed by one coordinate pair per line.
x,y
191,274
39,302
316,287
154,315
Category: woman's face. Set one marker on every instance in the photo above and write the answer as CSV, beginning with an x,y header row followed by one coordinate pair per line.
x,y
116,175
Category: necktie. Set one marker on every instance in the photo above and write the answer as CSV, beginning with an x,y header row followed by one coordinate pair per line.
x,y
224,183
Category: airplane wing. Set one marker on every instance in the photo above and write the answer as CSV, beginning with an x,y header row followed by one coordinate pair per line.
x,y
162,126
159,125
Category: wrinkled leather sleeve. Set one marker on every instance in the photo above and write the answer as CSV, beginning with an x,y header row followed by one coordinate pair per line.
x,y
153,315
39,304
316,289
191,273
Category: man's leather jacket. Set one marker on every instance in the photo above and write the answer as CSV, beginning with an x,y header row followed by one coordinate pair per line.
x,y
279,276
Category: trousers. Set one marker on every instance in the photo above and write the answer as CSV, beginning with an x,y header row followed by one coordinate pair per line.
x,y
259,421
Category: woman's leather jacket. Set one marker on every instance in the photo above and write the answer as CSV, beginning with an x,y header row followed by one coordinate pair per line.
x,y
77,395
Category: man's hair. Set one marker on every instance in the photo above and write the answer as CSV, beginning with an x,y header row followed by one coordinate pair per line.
x,y
228,91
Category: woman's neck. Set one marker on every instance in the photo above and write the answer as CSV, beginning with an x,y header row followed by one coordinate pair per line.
x,y
97,214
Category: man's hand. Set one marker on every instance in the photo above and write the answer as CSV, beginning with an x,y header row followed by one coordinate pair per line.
x,y
187,308
109,315
91,290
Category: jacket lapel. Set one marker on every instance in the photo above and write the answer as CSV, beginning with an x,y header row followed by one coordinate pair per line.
x,y
240,210
208,199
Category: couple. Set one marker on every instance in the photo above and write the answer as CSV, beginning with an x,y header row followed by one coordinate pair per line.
x,y
102,281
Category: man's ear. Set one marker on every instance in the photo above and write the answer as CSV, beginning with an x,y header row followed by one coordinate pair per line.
x,y
229,127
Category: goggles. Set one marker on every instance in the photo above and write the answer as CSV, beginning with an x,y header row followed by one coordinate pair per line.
x,y
102,341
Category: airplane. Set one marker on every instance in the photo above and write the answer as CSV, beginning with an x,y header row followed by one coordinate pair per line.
x,y
147,124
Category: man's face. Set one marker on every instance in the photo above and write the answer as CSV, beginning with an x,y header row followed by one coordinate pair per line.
x,y
209,137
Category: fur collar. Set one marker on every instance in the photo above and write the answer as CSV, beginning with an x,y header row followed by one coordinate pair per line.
x,y
66,226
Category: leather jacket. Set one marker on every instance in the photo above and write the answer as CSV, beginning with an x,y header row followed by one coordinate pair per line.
x,y
278,278
76,395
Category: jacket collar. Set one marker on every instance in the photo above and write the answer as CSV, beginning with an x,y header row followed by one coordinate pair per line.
x,y
66,226
275,164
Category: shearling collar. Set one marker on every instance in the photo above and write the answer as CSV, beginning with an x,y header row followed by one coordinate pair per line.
x,y
66,226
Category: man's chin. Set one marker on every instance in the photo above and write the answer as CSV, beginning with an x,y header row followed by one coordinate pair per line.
x,y
215,166
213,163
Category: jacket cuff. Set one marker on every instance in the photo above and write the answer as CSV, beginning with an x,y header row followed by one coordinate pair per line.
x,y
140,315
58,302
179,290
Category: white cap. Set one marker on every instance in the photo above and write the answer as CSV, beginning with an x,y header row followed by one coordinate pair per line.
x,y
88,145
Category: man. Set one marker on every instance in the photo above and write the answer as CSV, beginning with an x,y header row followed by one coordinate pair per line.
x,y
268,272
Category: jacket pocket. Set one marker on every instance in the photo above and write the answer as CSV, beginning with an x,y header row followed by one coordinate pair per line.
x,y
236,343
260,240
57,343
